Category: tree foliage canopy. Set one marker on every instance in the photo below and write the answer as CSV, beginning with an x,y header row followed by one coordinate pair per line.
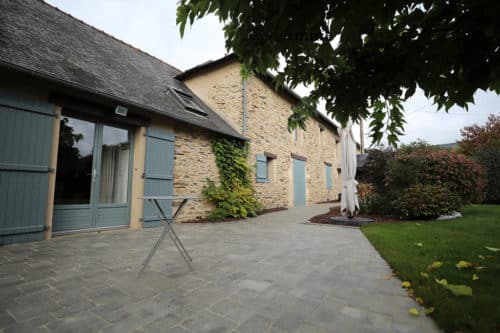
x,y
364,58
483,144
478,138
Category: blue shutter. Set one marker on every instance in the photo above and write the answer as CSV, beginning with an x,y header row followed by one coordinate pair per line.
x,y
261,167
158,173
26,128
329,184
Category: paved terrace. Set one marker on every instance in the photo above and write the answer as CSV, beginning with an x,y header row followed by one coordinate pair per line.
x,y
267,274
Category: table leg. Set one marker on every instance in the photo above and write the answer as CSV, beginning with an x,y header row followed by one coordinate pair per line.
x,y
179,210
153,250
167,229
172,233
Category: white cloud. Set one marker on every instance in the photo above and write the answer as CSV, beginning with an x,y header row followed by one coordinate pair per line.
x,y
150,25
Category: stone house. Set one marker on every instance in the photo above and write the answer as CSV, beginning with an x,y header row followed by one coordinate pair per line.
x,y
88,124
298,167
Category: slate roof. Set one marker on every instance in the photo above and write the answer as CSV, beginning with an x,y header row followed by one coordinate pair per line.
x,y
38,38
268,78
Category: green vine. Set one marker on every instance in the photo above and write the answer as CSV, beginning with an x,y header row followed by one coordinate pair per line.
x,y
235,196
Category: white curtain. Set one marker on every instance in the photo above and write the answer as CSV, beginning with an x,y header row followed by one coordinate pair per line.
x,y
114,173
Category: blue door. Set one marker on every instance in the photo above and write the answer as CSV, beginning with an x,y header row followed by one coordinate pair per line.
x,y
299,182
92,180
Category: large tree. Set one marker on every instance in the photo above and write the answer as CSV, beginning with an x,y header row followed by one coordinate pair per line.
x,y
478,138
364,57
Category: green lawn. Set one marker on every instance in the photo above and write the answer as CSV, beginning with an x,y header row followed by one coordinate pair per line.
x,y
448,242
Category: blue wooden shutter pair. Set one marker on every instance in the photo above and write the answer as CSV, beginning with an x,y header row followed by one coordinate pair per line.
x,y
261,166
158,173
26,127
329,184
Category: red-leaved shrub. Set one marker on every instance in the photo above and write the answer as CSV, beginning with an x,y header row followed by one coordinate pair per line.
x,y
460,174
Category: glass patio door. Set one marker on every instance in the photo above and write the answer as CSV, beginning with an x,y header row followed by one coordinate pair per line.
x,y
92,180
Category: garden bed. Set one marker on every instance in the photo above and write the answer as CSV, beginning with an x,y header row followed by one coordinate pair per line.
x,y
232,219
335,211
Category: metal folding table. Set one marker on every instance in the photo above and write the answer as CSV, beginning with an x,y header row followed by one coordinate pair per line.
x,y
167,226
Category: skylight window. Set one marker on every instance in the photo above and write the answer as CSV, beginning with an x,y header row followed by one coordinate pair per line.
x,y
188,102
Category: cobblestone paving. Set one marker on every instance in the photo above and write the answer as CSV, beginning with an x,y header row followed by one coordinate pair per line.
x,y
267,274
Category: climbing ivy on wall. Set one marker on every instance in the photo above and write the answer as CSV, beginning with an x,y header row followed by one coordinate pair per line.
x,y
235,196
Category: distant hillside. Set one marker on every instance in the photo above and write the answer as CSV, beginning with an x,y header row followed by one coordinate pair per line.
x,y
448,145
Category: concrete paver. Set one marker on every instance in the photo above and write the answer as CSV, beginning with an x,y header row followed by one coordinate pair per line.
x,y
267,274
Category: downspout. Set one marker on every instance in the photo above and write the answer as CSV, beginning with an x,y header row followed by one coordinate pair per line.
x,y
244,84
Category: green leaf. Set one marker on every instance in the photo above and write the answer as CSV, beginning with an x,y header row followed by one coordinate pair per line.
x,y
414,312
418,244
434,265
442,282
492,249
425,275
405,284
463,264
475,277
428,311
460,290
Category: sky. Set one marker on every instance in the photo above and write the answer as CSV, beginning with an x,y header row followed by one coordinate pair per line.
x,y
150,26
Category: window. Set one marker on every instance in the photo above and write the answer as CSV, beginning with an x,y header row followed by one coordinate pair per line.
x,y
115,154
187,101
321,130
265,167
328,173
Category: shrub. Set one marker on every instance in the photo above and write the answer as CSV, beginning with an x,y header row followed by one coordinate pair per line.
x,y
419,146
376,203
427,201
238,202
462,175
365,189
489,158
402,172
373,172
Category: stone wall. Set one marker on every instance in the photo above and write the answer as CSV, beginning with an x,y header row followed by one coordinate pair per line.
x,y
224,91
268,112
194,162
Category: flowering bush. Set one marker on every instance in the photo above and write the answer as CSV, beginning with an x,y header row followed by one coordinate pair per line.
x,y
462,175
427,201
415,167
